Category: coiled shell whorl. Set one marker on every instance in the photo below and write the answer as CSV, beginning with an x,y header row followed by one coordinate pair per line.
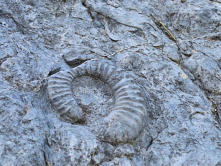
x,y
128,114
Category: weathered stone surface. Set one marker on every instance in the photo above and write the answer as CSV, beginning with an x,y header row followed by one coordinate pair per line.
x,y
171,47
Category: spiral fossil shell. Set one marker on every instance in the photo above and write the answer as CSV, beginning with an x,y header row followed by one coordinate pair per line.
x,y
127,117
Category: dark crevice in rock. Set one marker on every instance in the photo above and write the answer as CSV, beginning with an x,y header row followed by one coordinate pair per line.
x,y
88,9
163,28
215,112
214,37
171,36
75,63
4,59
151,142
217,1
53,71
45,158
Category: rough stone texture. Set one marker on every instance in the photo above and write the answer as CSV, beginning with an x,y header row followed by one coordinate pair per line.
x,y
172,47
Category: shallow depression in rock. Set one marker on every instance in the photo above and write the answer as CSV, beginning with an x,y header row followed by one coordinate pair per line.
x,y
94,97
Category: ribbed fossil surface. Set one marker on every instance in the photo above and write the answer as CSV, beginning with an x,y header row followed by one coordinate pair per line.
x,y
126,119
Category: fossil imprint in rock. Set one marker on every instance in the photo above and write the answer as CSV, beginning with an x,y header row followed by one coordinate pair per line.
x,y
127,117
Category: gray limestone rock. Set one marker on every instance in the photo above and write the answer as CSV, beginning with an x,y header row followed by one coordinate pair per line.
x,y
171,48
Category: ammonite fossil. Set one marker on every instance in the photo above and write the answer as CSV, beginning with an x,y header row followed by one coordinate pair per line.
x,y
127,117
